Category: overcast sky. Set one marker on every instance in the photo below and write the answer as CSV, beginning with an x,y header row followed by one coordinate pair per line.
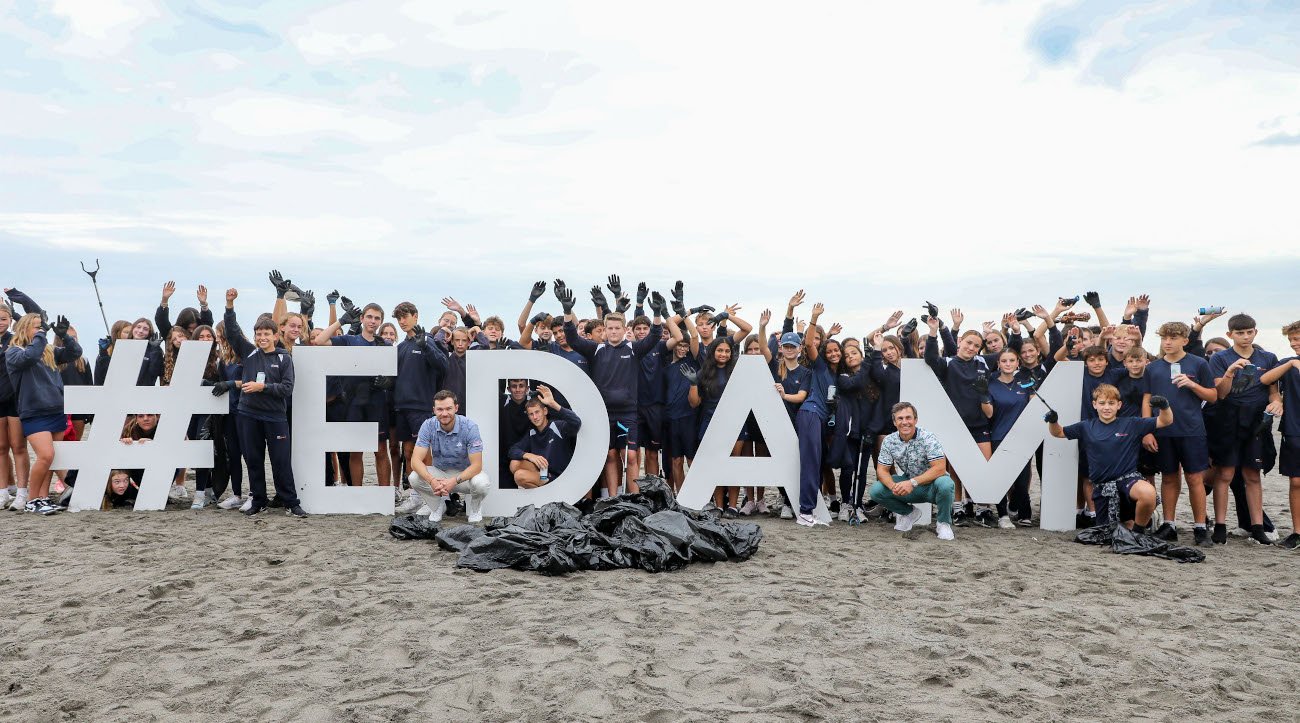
x,y
988,155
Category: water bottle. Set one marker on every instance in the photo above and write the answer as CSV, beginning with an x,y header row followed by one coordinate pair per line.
x,y
1210,310
544,474
1175,369
830,393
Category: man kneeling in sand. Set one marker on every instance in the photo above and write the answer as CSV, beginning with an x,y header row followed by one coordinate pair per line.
x,y
915,454
448,457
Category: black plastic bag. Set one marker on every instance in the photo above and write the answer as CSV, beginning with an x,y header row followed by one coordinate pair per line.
x,y
456,539
413,527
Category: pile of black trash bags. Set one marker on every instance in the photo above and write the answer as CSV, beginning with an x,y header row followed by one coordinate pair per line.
x,y
1124,541
646,530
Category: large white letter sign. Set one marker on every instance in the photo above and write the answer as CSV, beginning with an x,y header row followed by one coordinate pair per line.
x,y
103,450
483,369
313,437
749,389
986,481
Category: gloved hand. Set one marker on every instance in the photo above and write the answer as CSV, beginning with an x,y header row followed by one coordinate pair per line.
x,y
103,345
45,320
622,304
659,305
702,308
719,317
308,300
642,291
538,318
539,288
615,285
981,386
155,338
61,326
1023,313
1051,417
1070,301
565,295
909,327
931,309
280,283
421,339
294,293
691,375
355,328
1159,402
679,291
598,298
559,287
1093,299
382,383
349,308
351,315
221,388
332,297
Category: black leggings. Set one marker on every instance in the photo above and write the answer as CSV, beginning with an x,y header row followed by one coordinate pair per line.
x,y
1018,495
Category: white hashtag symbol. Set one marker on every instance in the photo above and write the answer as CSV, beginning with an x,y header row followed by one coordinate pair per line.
x,y
103,450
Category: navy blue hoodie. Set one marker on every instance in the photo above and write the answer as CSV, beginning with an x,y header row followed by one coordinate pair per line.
x,y
40,388
555,443
272,403
9,389
956,375
421,365
615,368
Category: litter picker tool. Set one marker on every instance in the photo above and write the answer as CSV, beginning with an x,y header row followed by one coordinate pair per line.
x,y
94,283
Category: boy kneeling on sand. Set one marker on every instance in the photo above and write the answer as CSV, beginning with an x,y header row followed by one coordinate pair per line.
x,y
1112,443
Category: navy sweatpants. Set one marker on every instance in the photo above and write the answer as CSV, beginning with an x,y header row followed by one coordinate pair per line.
x,y
257,439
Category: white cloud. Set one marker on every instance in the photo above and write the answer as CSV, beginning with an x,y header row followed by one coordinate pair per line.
x,y
328,45
102,27
259,117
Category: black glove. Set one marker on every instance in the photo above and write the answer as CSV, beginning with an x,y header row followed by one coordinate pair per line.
x,y
332,297
679,291
703,308
221,388
565,295
615,285
909,327
355,328
297,292
382,383
1051,417
538,318
155,338
45,321
539,288
981,386
308,299
1067,302
931,309
691,375
280,283
622,304
61,326
1093,299
103,345
598,298
351,315
349,307
925,319
421,340
658,305
719,318
1023,313
1159,402
642,291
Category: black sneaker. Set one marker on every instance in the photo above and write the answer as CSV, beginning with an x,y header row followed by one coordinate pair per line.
x,y
960,518
257,508
1083,521
1220,536
454,508
1292,541
986,518
1202,537
275,502
43,507
1258,537
1167,532
296,511
730,513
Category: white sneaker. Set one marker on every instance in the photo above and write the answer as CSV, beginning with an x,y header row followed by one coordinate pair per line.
x,y
200,500
473,509
903,523
1005,523
5,498
411,504
231,502
248,504
1272,536
177,492
747,508
437,511
806,520
761,507
943,530
786,512
844,513
20,501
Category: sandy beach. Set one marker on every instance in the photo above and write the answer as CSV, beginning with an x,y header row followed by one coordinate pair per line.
x,y
210,615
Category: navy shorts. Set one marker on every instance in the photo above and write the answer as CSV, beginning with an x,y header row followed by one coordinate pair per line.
x,y
409,422
680,439
650,424
1127,507
1191,454
1227,450
370,413
622,431
53,423
9,408
1289,457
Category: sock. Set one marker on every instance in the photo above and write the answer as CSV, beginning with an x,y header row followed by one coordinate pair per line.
x,y
22,492
1199,525
1172,523
1091,513
1078,511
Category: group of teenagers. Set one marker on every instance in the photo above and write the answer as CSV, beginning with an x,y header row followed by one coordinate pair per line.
x,y
1197,410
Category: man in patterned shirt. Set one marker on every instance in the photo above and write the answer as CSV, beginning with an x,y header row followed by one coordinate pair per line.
x,y
448,458
911,468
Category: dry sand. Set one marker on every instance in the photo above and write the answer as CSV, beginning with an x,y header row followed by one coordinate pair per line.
x,y
210,615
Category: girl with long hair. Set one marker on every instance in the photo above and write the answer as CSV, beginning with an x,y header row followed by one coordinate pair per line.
x,y
718,361
33,364
225,433
201,424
